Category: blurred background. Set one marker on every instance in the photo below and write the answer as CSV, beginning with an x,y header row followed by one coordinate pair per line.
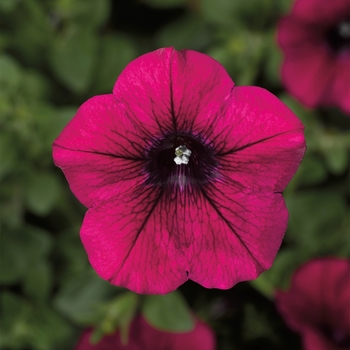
x,y
54,55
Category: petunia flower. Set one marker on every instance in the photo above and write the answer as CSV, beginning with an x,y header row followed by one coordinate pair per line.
x,y
317,305
182,173
315,39
144,337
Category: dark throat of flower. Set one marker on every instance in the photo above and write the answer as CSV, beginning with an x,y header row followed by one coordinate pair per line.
x,y
180,161
338,36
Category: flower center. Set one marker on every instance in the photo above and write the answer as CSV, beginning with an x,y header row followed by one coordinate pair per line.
x,y
182,155
194,163
338,37
337,337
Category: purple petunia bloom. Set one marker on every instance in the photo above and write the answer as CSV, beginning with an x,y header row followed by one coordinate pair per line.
x,y
317,305
315,39
182,173
144,337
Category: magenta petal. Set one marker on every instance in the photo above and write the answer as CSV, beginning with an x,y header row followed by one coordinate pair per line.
x,y
200,87
312,339
143,91
340,94
308,74
99,151
235,235
307,67
152,244
130,243
317,54
294,35
308,288
261,147
317,305
169,89
320,11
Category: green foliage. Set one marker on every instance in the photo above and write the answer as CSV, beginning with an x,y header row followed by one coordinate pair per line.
x,y
256,324
10,77
165,4
189,31
28,325
115,52
41,193
73,58
53,56
168,312
314,222
22,251
8,5
90,13
81,296
117,316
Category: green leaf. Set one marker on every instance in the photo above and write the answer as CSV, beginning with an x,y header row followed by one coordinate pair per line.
x,y
256,324
71,254
73,58
316,221
336,154
11,74
337,160
257,15
63,116
8,154
168,312
241,49
8,5
12,262
116,51
188,32
89,13
34,86
164,3
37,242
31,32
6,106
219,12
117,314
81,297
312,171
38,280
5,41
12,206
94,13
41,192
251,14
49,330
21,250
285,6
50,122
14,330
273,59
31,326
264,286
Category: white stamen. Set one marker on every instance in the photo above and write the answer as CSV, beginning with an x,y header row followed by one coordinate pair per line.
x,y
182,155
344,29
